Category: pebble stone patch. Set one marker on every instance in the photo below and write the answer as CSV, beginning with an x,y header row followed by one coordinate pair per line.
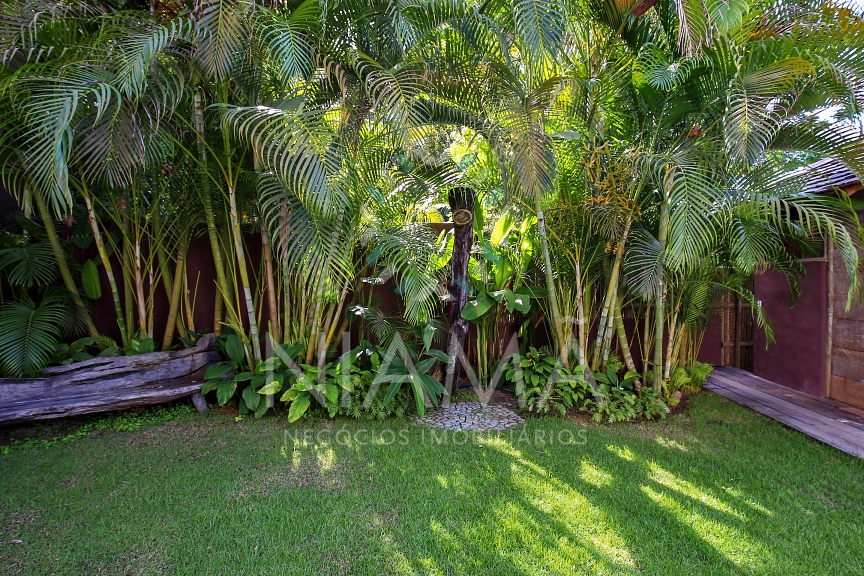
x,y
471,416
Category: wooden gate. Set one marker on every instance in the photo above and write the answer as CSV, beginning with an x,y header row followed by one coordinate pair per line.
x,y
736,347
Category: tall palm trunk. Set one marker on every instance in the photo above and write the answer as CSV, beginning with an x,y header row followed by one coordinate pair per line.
x,y
557,325
209,217
580,316
60,257
604,328
462,207
659,311
174,303
106,263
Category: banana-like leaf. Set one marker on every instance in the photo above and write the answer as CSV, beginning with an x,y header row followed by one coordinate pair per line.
x,y
90,280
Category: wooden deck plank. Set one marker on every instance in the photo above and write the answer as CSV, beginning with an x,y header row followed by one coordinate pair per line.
x,y
826,406
818,433
782,404
823,421
843,413
799,420
831,409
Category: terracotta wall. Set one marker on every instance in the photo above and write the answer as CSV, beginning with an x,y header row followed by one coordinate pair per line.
x,y
201,274
711,352
797,358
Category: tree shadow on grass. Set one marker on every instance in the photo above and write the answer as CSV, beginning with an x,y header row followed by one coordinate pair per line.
x,y
240,498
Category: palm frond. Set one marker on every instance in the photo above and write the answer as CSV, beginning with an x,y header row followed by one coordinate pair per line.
x,y
28,336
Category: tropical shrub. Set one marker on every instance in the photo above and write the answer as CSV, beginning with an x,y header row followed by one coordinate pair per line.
x,y
85,348
367,398
253,381
617,399
544,383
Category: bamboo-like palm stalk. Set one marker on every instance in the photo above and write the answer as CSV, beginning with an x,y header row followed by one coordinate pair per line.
x,y
336,318
158,239
315,319
188,304
174,302
270,277
604,329
670,346
143,325
126,267
557,324
659,312
581,336
239,252
623,342
244,274
62,265
267,257
106,263
209,216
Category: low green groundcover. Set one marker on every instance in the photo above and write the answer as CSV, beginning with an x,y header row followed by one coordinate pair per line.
x,y
714,490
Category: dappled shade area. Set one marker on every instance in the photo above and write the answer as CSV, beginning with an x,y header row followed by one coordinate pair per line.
x,y
714,490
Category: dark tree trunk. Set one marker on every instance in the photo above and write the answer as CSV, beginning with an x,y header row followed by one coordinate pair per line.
x,y
462,207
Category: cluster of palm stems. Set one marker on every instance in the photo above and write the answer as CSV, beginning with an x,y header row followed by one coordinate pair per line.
x,y
652,150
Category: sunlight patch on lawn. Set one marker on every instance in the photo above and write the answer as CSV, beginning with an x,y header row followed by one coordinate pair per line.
x,y
564,504
733,544
326,458
593,475
670,443
734,492
622,452
669,480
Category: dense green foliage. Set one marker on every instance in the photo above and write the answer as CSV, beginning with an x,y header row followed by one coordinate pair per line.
x,y
627,157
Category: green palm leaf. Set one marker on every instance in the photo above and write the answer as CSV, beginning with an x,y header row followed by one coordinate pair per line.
x,y
28,335
29,266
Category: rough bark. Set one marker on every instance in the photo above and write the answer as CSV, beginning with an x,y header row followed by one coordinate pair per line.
x,y
462,207
103,384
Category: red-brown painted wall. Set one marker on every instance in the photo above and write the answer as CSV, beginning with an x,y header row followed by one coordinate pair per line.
x,y
797,358
711,351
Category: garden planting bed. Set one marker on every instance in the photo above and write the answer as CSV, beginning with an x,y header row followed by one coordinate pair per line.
x,y
104,384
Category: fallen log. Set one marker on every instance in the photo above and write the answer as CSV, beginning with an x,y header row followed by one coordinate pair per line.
x,y
104,384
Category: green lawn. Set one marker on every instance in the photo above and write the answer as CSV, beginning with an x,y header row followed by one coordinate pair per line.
x,y
714,490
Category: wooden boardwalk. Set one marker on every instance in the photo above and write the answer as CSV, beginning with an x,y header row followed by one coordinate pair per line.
x,y
826,420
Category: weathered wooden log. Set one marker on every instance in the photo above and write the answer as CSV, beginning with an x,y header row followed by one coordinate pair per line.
x,y
104,384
